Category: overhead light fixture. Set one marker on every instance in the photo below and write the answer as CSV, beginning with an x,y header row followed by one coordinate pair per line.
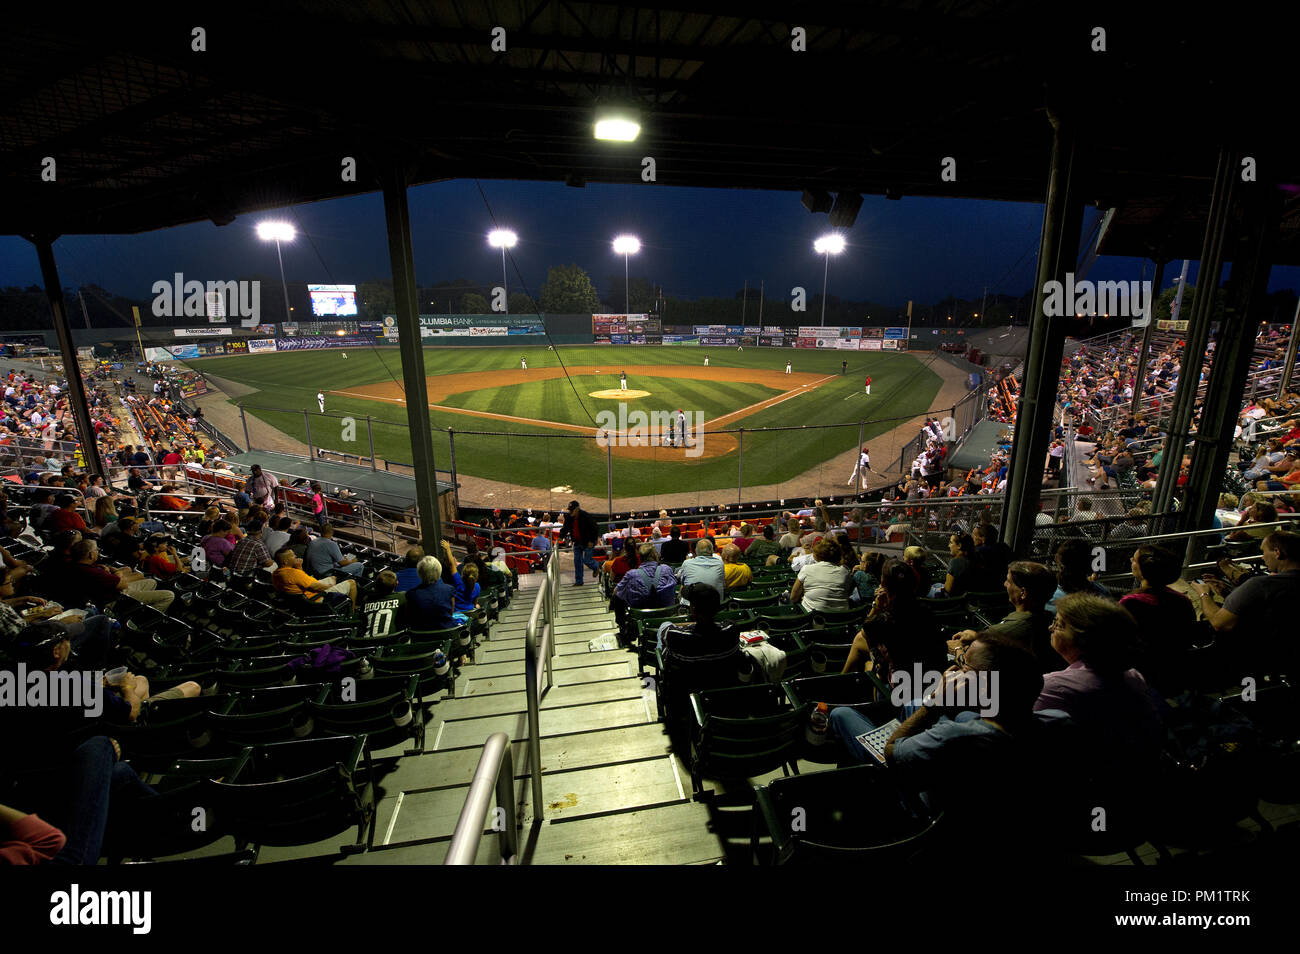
x,y
845,212
275,231
829,244
502,238
817,200
617,124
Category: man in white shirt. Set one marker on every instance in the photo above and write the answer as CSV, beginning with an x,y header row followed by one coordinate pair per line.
x,y
864,463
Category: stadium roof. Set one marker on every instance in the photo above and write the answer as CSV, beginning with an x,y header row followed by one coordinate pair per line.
x,y
147,133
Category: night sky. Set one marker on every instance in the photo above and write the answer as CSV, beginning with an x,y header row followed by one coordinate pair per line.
x,y
695,242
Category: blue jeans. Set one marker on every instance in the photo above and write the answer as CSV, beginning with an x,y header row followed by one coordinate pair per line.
x,y
582,557
846,724
98,782
353,570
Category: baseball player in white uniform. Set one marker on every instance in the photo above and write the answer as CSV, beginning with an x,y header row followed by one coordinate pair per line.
x,y
864,463
523,363
787,367
622,381
706,360
320,399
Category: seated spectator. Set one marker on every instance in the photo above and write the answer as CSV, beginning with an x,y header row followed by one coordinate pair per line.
x,y
1107,699
541,542
1073,566
620,561
467,590
161,559
790,539
1029,586
408,577
43,508
1164,617
650,586
939,747
866,577
250,555
166,499
324,558
299,541
105,512
675,550
122,545
899,631
66,517
744,540
992,557
136,482
702,635
962,571
385,609
736,575
431,604
290,580
100,586
915,557
764,546
823,584
1260,512
705,567
1261,613
218,544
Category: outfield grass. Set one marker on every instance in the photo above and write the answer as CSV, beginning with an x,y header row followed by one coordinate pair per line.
x,y
537,456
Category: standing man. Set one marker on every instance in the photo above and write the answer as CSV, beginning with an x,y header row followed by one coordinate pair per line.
x,y
580,526
868,384
681,426
320,399
706,360
844,367
787,366
261,487
622,381
864,463
523,362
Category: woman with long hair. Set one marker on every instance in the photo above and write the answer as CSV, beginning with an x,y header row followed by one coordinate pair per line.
x,y
899,631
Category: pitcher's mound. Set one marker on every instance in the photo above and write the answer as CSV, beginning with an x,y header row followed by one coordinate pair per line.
x,y
617,394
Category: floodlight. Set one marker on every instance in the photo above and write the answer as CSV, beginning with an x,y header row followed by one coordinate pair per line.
x,y
831,244
275,231
502,238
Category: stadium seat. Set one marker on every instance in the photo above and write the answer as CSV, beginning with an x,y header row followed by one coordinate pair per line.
x,y
852,816
385,709
743,732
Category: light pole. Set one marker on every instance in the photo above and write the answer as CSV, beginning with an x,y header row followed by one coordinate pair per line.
x,y
626,245
278,232
503,239
827,245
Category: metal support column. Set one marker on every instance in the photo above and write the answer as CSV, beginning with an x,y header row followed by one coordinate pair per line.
x,y
740,468
609,480
1198,331
1057,253
455,481
307,421
370,432
397,217
1146,340
1289,366
248,445
76,389
1247,292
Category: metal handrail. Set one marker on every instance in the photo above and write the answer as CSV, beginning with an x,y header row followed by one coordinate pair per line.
x,y
537,662
1213,531
495,772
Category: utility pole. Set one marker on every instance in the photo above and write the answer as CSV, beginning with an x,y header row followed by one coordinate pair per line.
x,y
744,301
760,302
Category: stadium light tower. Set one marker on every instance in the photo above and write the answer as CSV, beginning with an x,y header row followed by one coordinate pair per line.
x,y
827,245
503,239
626,245
278,232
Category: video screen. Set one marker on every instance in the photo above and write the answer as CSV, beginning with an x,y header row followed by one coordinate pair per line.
x,y
333,300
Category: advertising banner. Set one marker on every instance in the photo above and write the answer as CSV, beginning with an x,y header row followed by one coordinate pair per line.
x,y
806,342
773,330
712,341
870,344
162,354
753,329
873,332
735,331
264,330
619,339
184,351
731,340
601,339
749,341
236,347
847,344
318,344
896,333
200,332
710,329
261,345
636,339
770,341
680,339
890,344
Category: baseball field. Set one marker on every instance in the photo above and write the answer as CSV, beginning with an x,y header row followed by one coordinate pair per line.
x,y
538,427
